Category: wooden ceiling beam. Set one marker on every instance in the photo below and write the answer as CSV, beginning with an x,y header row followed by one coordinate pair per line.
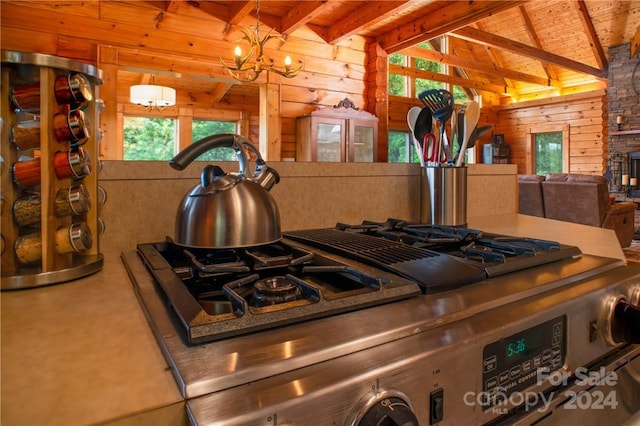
x,y
533,36
459,61
370,14
217,10
301,14
494,55
434,76
173,5
238,11
160,4
219,90
592,36
436,46
450,16
481,37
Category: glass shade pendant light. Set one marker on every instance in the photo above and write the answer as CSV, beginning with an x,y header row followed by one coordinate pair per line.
x,y
152,96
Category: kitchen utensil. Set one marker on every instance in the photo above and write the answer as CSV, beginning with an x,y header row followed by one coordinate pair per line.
x,y
471,117
423,124
227,210
477,133
454,122
460,125
412,117
440,102
430,150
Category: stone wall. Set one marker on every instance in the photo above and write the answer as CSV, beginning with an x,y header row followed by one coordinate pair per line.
x,y
623,99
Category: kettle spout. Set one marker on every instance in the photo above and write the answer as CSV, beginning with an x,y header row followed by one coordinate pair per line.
x,y
267,178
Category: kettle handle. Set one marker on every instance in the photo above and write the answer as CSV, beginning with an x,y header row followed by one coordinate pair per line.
x,y
224,140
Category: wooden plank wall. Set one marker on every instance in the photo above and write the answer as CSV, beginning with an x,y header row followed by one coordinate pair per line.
x,y
141,36
585,114
76,30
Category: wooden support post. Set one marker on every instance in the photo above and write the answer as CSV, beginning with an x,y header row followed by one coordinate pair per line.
x,y
111,146
377,90
270,126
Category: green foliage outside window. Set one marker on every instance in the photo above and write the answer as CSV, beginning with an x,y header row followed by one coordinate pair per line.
x,y
149,138
154,139
396,82
548,148
401,148
204,128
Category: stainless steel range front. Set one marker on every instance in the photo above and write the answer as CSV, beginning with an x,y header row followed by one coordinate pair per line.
x,y
395,323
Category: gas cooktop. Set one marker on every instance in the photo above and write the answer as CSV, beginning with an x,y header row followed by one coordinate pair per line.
x,y
437,257
217,293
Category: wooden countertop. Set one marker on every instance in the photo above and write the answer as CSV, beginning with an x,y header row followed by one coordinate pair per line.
x,y
82,352
590,239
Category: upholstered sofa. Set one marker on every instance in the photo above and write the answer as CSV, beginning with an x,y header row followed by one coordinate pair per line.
x,y
576,198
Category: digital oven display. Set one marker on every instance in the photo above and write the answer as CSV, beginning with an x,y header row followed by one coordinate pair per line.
x,y
511,364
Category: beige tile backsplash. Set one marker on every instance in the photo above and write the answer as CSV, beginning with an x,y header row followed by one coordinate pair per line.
x,y
142,197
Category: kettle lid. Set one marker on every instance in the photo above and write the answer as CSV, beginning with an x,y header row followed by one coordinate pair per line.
x,y
213,180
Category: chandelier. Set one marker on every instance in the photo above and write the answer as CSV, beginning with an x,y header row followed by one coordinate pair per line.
x,y
152,96
243,69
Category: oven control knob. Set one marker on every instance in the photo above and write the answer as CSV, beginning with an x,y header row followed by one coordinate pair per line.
x,y
389,411
622,324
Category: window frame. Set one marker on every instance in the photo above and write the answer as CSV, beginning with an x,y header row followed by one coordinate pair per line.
x,y
530,159
184,121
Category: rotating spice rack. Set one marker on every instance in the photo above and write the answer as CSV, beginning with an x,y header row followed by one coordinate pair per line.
x,y
54,264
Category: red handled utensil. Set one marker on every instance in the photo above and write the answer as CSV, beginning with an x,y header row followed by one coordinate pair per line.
x,y
430,150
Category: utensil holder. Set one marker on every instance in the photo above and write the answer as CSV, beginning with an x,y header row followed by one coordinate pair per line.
x,y
443,196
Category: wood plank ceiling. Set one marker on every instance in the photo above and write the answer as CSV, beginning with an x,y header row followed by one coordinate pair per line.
x,y
511,48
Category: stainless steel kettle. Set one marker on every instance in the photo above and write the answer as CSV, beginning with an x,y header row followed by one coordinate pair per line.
x,y
227,210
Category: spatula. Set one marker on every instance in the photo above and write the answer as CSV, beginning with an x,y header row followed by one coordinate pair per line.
x,y
471,117
412,117
423,123
440,102
477,133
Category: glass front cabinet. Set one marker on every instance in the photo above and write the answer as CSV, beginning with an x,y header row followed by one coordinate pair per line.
x,y
342,133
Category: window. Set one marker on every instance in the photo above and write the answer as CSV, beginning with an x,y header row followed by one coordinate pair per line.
x,y
548,149
397,82
149,138
430,66
204,128
401,148
156,138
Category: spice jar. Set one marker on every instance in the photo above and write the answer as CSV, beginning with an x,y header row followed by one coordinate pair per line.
x,y
26,173
26,97
73,88
26,134
75,238
67,164
70,201
72,127
74,163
